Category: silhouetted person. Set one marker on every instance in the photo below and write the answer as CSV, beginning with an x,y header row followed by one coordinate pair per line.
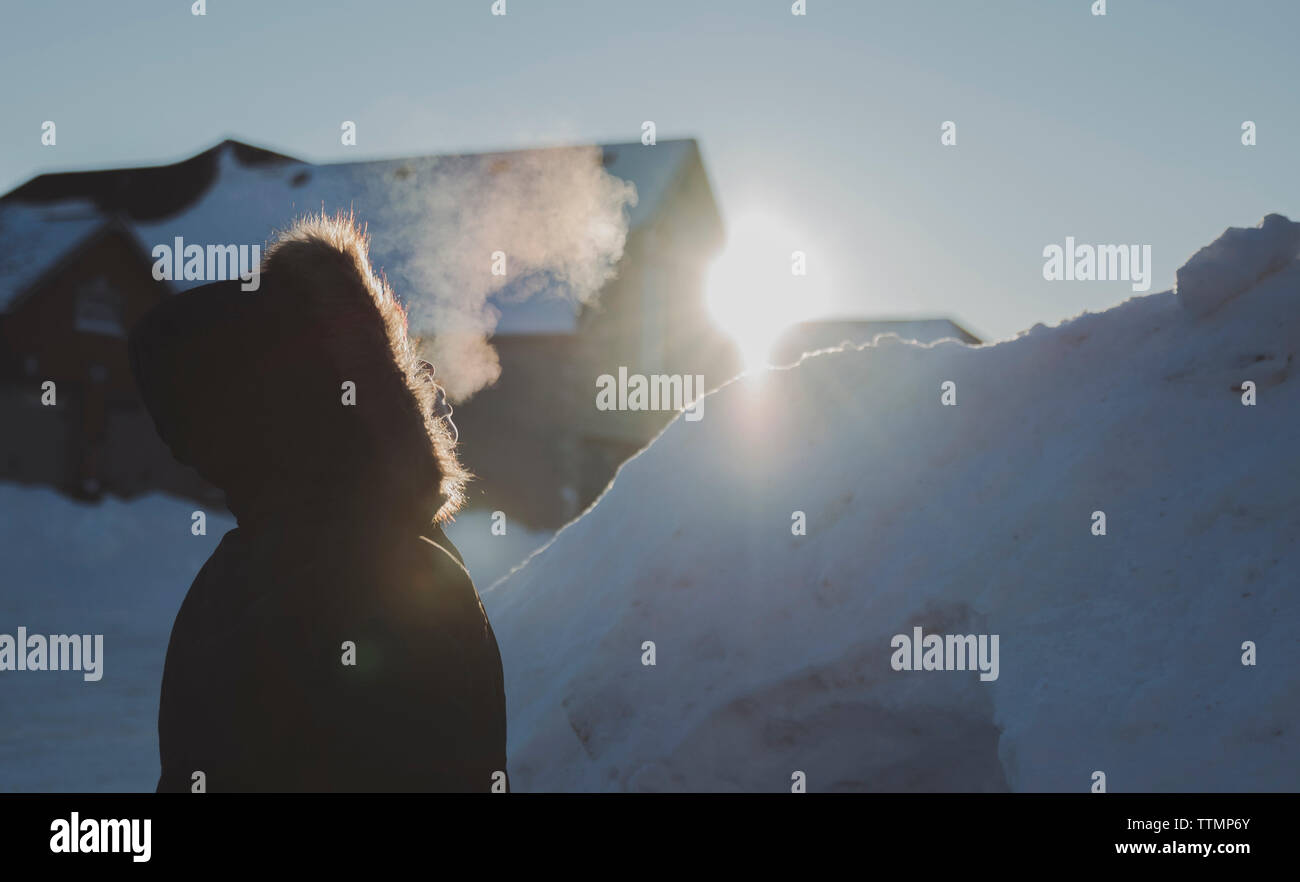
x,y
334,640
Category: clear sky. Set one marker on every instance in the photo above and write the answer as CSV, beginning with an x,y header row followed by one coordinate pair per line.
x,y
1117,129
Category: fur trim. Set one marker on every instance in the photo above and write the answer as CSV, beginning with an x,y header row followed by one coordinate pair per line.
x,y
322,262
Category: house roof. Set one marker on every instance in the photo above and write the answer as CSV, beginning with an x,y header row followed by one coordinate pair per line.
x,y
34,237
236,193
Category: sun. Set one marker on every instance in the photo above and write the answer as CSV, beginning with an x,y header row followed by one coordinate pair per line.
x,y
752,291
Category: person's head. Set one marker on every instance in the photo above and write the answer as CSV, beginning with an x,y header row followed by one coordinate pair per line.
x,y
307,388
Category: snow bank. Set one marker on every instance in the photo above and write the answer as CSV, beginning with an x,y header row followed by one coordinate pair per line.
x,y
1236,260
1119,653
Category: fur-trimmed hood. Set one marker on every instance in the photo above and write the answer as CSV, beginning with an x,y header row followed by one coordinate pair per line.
x,y
250,387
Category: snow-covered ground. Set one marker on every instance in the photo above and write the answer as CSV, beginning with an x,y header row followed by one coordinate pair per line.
x,y
118,569
1119,653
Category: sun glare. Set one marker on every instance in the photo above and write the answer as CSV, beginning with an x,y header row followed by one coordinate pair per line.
x,y
753,292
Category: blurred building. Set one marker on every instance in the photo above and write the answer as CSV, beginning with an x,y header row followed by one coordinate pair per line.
x,y
75,273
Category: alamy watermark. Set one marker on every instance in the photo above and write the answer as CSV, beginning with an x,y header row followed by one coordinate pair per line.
x,y
655,392
1098,263
946,652
215,263
78,835
57,652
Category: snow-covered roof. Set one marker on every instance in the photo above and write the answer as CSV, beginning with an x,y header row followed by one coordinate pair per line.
x,y
33,238
652,169
246,201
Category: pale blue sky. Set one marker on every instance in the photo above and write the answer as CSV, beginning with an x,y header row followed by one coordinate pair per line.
x,y
1122,129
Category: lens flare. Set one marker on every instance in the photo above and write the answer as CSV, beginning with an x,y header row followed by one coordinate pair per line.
x,y
754,292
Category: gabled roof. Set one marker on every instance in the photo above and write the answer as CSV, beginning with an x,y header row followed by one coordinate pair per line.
x,y
34,238
146,192
236,193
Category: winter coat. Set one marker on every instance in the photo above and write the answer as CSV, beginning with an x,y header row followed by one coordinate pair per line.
x,y
334,640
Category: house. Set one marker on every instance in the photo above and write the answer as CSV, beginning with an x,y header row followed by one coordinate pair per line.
x,y
72,280
77,274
